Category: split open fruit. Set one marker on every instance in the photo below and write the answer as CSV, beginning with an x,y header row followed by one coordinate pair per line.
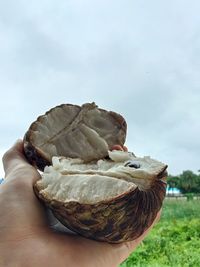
x,y
93,190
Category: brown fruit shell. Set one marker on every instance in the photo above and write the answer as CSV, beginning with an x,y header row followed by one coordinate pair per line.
x,y
36,156
120,219
123,218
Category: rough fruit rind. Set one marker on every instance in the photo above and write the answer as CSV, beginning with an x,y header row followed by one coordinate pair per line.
x,y
123,219
120,219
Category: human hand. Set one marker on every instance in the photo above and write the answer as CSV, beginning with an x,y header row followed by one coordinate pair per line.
x,y
26,240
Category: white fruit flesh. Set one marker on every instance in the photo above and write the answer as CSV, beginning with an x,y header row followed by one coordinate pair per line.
x,y
72,180
83,188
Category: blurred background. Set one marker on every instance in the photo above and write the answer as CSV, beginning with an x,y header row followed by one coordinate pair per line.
x,y
138,58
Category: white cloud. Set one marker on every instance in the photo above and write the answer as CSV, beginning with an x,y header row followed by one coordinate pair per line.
x,y
137,58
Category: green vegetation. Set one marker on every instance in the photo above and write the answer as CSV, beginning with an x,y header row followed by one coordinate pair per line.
x,y
174,241
187,182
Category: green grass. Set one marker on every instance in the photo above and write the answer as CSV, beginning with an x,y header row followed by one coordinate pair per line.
x,y
180,209
174,241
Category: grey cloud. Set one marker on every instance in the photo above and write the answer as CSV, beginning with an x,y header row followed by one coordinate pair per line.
x,y
139,59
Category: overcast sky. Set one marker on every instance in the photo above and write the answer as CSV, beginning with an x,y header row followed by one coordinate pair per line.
x,y
138,58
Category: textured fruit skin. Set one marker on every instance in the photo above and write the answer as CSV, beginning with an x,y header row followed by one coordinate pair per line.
x,y
121,219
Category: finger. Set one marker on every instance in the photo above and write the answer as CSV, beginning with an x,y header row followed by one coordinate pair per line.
x,y
18,172
16,165
18,199
128,247
125,148
14,155
114,254
105,254
118,147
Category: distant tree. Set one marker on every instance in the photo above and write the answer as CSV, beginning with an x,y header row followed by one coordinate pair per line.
x,y
189,182
172,181
198,183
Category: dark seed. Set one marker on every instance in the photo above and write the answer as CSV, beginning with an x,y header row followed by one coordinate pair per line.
x,y
133,164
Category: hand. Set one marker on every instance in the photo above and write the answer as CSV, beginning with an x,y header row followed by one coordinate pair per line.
x,y
25,238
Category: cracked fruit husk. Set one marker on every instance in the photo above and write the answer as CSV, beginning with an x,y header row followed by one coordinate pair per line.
x,y
95,191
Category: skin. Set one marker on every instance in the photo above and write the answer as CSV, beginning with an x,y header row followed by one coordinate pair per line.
x,y
26,240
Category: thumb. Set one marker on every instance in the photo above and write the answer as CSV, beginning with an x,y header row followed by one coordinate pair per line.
x,y
16,165
14,156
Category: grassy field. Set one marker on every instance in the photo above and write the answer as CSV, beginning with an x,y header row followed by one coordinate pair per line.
x,y
174,241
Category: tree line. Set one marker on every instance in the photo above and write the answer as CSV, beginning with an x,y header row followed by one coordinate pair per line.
x,y
187,182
